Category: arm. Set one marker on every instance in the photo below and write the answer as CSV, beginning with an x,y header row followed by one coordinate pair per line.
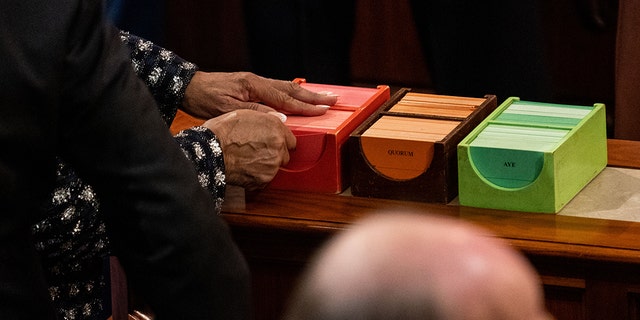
x,y
176,83
203,149
165,73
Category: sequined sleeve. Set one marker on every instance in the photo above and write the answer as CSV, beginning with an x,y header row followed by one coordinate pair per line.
x,y
165,73
72,237
201,146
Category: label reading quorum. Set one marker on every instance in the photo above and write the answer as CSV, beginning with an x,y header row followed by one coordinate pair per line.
x,y
399,153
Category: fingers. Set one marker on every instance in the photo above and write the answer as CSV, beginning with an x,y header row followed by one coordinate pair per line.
x,y
290,140
255,106
285,157
290,97
279,115
212,94
298,92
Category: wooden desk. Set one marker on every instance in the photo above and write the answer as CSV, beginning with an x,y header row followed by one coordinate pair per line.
x,y
590,267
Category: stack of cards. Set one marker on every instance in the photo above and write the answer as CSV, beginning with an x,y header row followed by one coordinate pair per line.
x,y
503,136
437,105
531,126
415,129
423,117
544,114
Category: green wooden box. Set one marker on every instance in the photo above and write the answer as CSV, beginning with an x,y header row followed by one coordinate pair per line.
x,y
531,156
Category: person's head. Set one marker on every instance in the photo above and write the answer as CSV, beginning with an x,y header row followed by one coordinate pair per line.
x,y
417,266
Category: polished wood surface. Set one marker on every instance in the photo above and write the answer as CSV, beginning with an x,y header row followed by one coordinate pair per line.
x,y
624,153
587,238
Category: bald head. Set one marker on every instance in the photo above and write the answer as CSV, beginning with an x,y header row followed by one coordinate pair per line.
x,y
406,266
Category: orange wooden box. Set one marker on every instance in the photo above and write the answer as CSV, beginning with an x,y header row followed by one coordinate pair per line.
x,y
407,150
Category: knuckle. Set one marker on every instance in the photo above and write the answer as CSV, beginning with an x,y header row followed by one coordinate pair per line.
x,y
293,86
245,83
245,77
253,106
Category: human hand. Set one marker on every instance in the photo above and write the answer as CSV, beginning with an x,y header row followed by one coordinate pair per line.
x,y
210,94
254,144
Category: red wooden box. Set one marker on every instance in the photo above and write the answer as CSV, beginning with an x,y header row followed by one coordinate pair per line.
x,y
319,163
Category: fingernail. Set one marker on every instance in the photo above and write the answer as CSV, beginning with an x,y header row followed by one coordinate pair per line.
x,y
323,106
328,93
281,116
230,115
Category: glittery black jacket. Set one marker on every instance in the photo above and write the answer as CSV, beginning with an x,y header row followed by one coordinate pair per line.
x,y
67,88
